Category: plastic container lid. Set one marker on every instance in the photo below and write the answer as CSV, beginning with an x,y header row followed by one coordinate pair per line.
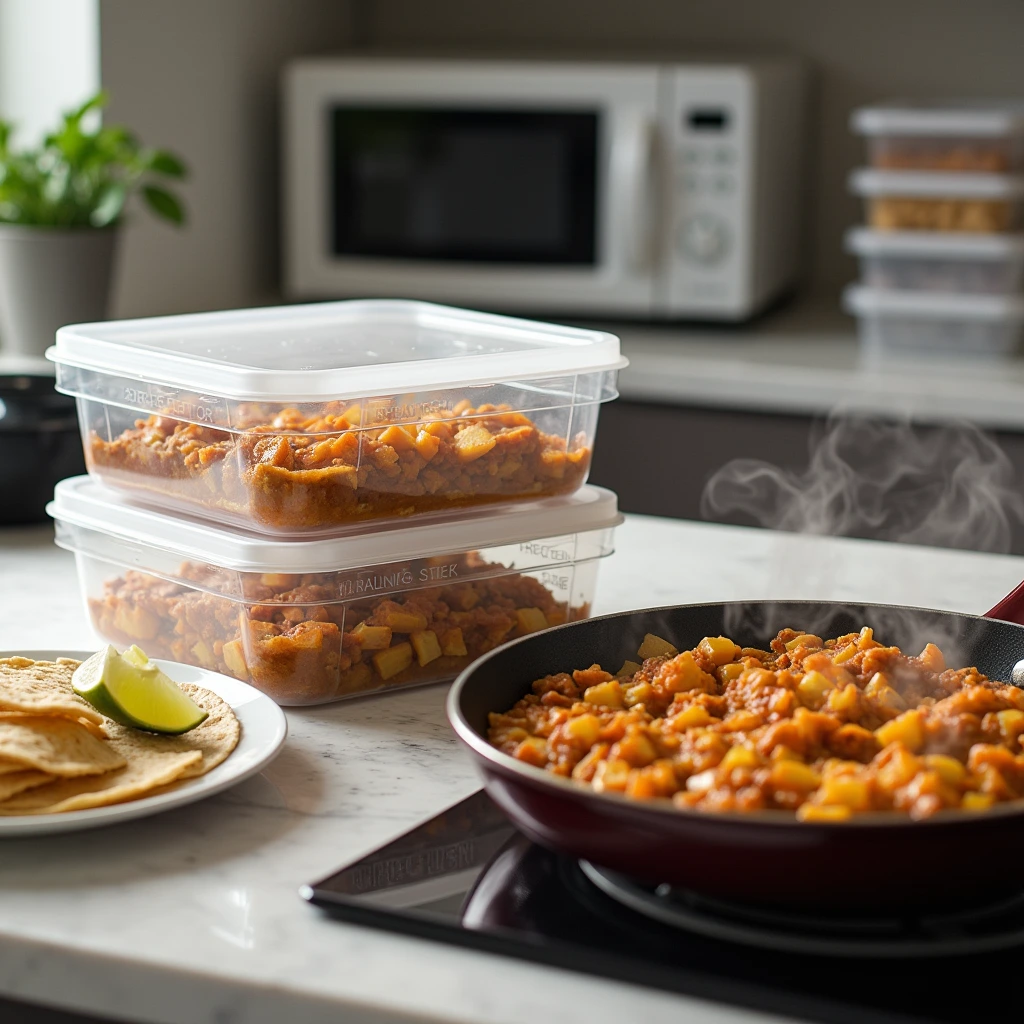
x,y
81,501
357,348
863,301
940,184
952,117
934,244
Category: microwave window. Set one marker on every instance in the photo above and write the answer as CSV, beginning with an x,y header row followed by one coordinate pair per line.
x,y
494,185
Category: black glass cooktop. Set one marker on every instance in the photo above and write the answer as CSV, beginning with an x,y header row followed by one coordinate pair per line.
x,y
467,877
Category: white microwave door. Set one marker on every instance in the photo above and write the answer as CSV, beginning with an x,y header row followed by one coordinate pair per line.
x,y
516,186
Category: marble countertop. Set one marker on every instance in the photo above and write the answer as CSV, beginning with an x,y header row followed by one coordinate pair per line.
x,y
193,917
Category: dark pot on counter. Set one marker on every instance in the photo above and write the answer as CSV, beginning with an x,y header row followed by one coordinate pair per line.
x,y
39,445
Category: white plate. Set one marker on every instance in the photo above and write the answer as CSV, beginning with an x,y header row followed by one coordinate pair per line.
x,y
264,728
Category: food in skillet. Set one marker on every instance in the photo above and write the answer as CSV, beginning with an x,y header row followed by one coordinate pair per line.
x,y
59,753
294,471
827,729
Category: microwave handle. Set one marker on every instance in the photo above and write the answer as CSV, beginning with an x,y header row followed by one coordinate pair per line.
x,y
634,191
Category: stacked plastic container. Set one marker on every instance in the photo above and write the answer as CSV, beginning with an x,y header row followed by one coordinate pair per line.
x,y
334,499
942,253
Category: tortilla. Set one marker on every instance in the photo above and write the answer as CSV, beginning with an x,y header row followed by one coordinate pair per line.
x,y
43,688
17,782
56,745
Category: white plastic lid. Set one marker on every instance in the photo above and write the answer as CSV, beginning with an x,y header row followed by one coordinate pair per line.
x,y
940,184
82,502
953,117
934,244
863,301
357,348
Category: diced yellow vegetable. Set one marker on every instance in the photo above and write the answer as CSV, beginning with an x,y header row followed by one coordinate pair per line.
x,y
845,655
727,673
427,445
358,678
702,782
425,645
531,620
473,441
739,757
819,812
804,640
372,638
276,579
977,801
638,693
137,623
794,776
905,729
1011,723
654,647
719,649
932,659
583,728
234,658
608,694
611,776
399,438
690,717
635,748
867,639
845,791
949,769
533,750
452,644
204,655
402,621
898,770
813,688
629,668
394,660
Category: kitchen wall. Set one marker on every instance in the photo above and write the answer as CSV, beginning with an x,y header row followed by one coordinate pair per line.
x,y
859,50
200,77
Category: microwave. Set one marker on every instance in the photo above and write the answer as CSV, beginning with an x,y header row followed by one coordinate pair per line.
x,y
631,189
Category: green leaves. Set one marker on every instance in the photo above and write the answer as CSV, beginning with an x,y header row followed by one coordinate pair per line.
x,y
85,176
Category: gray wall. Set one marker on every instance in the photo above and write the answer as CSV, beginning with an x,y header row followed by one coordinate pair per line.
x,y
200,77
861,51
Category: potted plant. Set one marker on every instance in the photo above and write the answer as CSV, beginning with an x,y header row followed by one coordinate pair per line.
x,y
62,203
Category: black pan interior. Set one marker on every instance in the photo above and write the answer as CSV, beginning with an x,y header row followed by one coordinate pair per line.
x,y
499,679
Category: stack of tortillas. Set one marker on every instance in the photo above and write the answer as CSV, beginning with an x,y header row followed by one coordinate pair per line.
x,y
58,753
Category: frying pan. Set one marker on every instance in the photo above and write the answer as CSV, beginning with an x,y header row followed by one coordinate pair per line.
x,y
764,857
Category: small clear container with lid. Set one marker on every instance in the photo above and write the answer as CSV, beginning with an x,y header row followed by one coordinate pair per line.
x,y
310,621
929,326
944,135
300,420
937,201
935,261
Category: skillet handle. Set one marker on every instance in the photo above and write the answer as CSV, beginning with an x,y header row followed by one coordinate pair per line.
x,y
1010,608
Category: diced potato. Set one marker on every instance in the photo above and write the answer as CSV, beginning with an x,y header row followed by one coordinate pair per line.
x,y
398,620
234,658
867,639
813,688
795,776
372,638
898,770
739,757
949,769
427,445
137,623
583,728
611,776
473,441
906,729
533,750
531,620
394,660
845,791
635,748
845,655
276,579
702,782
629,668
819,812
638,693
452,644
804,640
425,645
727,673
977,801
719,649
844,701
399,438
1011,724
691,717
932,659
654,647
204,655
359,677
608,694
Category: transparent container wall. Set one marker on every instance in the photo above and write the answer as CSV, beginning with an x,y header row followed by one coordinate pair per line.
x,y
887,338
952,274
308,639
308,469
912,213
999,155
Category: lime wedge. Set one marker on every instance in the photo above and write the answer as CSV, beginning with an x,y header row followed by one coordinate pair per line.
x,y
131,690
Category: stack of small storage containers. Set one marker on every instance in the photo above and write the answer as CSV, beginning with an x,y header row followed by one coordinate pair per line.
x,y
942,261
330,500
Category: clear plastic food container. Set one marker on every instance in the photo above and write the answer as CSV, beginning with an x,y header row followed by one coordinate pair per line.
x,y
302,419
934,261
936,201
929,326
944,135
320,620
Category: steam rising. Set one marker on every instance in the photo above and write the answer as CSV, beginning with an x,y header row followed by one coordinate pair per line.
x,y
948,487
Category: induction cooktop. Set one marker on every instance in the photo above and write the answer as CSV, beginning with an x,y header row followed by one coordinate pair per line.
x,y
468,878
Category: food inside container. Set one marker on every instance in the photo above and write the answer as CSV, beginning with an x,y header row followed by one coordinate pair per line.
x,y
935,201
934,325
938,261
301,419
944,135
320,620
